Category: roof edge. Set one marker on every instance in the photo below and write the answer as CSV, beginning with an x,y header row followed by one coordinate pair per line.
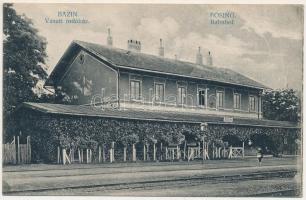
x,y
36,108
102,58
192,77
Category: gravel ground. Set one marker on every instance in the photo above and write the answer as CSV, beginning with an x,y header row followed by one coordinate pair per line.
x,y
29,177
248,161
234,189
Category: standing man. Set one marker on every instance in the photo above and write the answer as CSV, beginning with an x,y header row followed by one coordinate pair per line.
x,y
259,155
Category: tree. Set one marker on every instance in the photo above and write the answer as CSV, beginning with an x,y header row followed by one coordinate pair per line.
x,y
281,105
24,53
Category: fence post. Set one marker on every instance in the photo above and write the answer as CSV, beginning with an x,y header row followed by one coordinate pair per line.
x,y
147,151
213,150
27,150
113,149
111,152
166,153
124,153
81,156
18,150
87,156
64,158
99,159
14,154
110,155
188,150
199,149
242,149
30,156
161,151
207,150
154,152
230,152
103,153
177,152
79,153
185,144
72,155
90,156
144,152
134,153
58,155
203,149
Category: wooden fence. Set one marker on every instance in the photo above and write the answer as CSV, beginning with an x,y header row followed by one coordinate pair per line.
x,y
16,153
148,152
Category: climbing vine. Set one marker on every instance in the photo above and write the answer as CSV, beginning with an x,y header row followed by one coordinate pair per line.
x,y
50,131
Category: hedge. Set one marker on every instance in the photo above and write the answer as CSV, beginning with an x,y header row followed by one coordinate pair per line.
x,y
50,130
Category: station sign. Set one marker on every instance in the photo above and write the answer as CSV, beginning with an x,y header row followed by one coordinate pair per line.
x,y
228,119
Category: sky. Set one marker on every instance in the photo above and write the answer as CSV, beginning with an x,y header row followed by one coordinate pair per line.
x,y
264,42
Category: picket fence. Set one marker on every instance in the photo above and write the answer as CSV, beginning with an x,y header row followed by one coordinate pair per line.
x,y
204,151
16,153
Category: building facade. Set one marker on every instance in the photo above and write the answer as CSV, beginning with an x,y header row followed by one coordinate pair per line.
x,y
126,96
167,84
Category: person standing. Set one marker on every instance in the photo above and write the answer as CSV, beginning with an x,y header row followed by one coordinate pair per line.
x,y
259,155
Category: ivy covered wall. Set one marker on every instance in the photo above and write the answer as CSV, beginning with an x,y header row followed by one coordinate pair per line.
x,y
48,131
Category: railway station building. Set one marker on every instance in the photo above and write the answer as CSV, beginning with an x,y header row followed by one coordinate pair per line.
x,y
130,99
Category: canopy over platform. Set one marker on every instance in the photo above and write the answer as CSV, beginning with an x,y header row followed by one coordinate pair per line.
x,y
151,115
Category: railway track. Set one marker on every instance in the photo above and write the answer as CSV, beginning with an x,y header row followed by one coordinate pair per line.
x,y
123,172
279,193
113,166
170,182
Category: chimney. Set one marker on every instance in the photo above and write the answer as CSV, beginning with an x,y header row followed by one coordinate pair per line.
x,y
109,38
209,59
161,50
199,57
134,45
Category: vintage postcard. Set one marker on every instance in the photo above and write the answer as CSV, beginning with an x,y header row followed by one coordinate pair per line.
x,y
150,100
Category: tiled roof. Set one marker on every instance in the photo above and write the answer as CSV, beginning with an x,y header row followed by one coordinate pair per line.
x,y
140,61
151,115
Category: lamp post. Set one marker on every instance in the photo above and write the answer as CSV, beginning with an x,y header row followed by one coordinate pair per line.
x,y
204,128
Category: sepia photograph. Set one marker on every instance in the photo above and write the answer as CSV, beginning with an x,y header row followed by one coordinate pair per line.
x,y
152,100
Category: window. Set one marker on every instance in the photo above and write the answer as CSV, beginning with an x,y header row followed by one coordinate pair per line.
x,y
237,101
159,92
201,94
220,99
252,103
181,99
135,90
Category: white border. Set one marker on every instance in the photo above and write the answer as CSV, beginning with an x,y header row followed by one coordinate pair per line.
x,y
151,2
